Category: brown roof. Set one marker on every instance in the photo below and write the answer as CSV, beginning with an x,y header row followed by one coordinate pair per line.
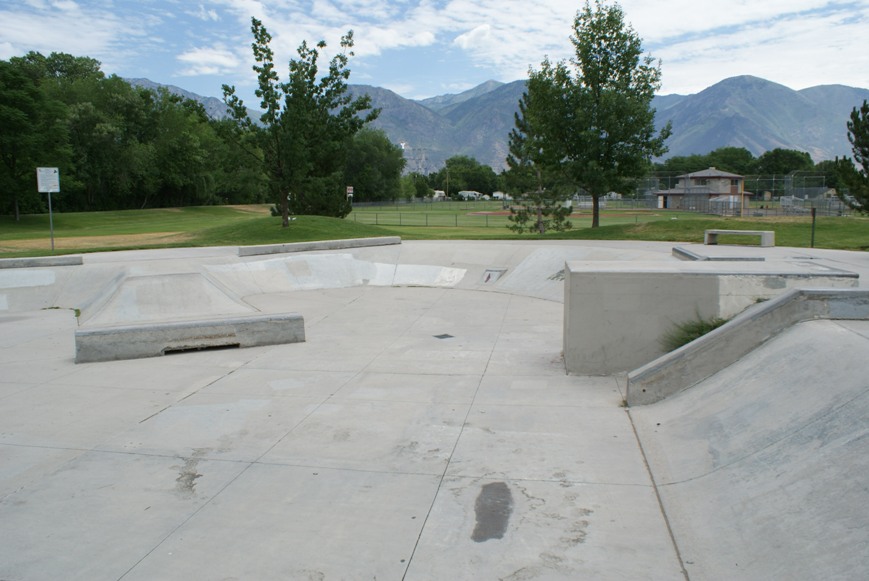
x,y
711,173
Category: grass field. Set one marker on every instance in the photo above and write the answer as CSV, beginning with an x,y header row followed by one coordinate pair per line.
x,y
250,225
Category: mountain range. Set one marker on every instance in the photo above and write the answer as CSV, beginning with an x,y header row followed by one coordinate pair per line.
x,y
743,111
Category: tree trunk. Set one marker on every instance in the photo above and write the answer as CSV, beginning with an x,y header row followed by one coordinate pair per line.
x,y
595,210
285,210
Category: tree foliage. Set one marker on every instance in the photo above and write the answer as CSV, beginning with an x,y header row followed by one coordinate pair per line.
x,y
117,146
533,173
32,135
783,161
461,172
854,173
374,166
307,125
590,121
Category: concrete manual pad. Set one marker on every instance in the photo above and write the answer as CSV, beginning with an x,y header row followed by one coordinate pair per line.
x,y
420,433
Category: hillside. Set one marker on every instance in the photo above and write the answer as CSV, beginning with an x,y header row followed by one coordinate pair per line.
x,y
743,111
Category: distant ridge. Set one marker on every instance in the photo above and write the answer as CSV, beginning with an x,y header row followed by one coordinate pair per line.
x,y
743,111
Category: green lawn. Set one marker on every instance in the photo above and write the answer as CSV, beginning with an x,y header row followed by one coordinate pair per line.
x,y
236,226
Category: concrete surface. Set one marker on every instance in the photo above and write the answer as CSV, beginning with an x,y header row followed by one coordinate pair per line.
x,y
158,339
686,366
762,468
420,432
616,313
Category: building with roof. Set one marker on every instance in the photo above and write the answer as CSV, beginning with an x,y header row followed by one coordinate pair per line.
x,y
708,190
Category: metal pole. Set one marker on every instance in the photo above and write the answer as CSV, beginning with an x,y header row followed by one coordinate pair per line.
x,y
814,211
51,221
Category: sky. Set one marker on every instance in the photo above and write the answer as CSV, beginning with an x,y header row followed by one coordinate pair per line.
x,y
424,48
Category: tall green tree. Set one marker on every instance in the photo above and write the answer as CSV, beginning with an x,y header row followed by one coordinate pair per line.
x,y
602,126
533,175
461,172
415,185
854,173
374,166
32,134
306,126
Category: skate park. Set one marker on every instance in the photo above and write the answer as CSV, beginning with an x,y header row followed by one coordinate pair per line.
x,y
439,410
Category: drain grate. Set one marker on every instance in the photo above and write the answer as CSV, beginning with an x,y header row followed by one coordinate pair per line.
x,y
443,336
492,275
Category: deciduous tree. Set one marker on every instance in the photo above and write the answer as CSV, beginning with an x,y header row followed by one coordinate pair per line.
x,y
307,124
374,166
601,129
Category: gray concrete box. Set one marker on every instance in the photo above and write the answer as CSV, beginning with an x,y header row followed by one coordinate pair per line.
x,y
616,315
155,339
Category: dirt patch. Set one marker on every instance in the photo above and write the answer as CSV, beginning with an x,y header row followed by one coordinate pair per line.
x,y
86,242
262,209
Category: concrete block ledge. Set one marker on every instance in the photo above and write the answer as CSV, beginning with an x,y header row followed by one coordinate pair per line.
x,y
319,245
703,357
41,261
155,339
683,253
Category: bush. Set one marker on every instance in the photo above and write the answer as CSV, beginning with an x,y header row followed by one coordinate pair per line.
x,y
684,333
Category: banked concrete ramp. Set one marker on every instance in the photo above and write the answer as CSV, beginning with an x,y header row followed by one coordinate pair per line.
x,y
762,468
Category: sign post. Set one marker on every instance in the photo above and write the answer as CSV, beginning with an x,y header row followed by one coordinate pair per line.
x,y
47,181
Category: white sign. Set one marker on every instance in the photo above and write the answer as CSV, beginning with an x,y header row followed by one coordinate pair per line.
x,y
47,179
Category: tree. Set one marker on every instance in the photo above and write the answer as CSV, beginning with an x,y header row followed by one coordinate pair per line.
x,y
461,172
532,175
415,185
32,135
374,166
306,127
601,127
733,159
854,173
783,161
829,169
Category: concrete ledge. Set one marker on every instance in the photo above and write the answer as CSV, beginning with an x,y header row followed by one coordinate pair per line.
x,y
615,315
685,254
767,237
41,261
703,357
319,245
155,339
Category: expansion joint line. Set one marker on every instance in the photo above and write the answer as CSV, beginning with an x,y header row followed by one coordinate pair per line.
x,y
455,446
658,496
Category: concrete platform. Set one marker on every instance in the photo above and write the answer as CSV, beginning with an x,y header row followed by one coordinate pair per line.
x,y
425,430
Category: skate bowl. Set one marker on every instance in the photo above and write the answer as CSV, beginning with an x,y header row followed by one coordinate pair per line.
x,y
428,412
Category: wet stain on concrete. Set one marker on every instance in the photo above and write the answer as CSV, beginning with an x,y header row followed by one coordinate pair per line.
x,y
493,508
186,481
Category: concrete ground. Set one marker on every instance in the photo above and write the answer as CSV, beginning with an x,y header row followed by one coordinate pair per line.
x,y
425,430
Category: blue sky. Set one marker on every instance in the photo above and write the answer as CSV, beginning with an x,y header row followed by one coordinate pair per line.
x,y
422,48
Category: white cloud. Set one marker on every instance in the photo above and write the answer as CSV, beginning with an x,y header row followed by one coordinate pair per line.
x,y
206,14
475,39
90,33
794,42
208,61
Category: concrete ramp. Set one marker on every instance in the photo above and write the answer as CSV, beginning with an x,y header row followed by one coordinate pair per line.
x,y
167,297
762,468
